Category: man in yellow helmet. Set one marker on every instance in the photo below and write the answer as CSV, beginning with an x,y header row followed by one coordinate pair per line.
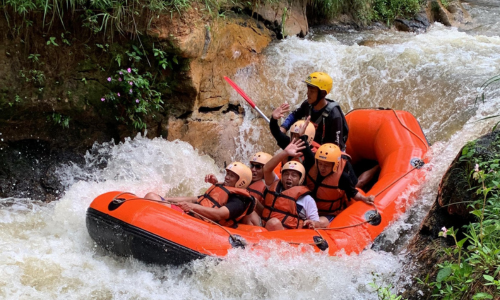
x,y
226,203
332,182
326,114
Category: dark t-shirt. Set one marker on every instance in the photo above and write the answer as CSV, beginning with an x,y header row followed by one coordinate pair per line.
x,y
236,206
334,128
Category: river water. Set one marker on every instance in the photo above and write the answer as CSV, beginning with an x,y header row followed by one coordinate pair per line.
x,y
46,252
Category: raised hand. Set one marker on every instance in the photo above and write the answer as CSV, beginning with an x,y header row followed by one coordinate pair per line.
x,y
294,148
210,178
281,111
304,126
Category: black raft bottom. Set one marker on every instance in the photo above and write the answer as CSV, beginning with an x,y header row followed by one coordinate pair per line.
x,y
124,239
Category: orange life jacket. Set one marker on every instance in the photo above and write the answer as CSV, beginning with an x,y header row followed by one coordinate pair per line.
x,y
258,190
217,196
283,206
329,198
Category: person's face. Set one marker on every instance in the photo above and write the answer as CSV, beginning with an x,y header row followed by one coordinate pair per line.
x,y
290,178
312,94
325,167
257,171
231,178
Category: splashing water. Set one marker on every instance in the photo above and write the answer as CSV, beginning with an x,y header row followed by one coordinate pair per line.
x,y
48,254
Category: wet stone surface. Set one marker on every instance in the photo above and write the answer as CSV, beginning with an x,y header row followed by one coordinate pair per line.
x,y
28,169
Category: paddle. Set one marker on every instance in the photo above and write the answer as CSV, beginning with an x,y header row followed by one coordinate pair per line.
x,y
245,96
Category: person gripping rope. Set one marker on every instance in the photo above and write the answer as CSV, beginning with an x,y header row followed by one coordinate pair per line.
x,y
225,203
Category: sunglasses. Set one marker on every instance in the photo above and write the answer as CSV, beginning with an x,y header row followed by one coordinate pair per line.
x,y
256,166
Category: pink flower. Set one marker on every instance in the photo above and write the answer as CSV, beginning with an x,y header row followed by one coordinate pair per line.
x,y
130,91
102,99
136,100
476,168
109,79
120,73
129,70
119,79
445,231
131,83
118,94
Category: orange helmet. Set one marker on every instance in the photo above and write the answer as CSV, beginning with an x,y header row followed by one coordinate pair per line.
x,y
295,166
310,130
244,173
261,158
330,153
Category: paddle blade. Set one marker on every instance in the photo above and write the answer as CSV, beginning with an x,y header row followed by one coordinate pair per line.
x,y
240,91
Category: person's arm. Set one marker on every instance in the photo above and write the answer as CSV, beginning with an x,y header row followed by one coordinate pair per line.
x,y
311,212
281,139
213,213
296,115
367,176
181,199
347,184
309,159
293,149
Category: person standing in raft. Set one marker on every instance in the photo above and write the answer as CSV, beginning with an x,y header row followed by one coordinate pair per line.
x,y
326,114
287,203
225,203
332,182
257,188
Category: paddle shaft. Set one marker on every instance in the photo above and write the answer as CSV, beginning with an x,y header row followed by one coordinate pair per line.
x,y
245,96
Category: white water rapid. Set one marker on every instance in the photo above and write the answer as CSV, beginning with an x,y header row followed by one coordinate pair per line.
x,y
46,252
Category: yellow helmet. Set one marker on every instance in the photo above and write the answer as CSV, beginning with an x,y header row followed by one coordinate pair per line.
x,y
310,130
261,158
244,173
330,153
295,166
320,80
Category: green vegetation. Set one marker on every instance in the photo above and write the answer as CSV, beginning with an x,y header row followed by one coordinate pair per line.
x,y
366,11
471,269
472,264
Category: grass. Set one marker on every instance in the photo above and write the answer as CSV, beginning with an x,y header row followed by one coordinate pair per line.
x,y
108,15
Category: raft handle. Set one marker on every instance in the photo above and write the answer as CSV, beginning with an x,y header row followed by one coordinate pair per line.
x,y
417,163
237,241
373,217
320,243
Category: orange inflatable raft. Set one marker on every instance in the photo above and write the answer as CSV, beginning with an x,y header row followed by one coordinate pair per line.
x,y
154,233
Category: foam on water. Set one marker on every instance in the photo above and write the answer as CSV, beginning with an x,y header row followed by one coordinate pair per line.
x,y
48,254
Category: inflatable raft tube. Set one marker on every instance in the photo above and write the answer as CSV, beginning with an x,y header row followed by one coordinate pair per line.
x,y
150,231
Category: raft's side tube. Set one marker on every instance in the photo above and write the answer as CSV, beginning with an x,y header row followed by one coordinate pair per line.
x,y
379,135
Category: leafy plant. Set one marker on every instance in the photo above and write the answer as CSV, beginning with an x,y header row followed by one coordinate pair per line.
x,y
59,119
472,268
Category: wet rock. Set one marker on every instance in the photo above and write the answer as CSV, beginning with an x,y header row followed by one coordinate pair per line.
x,y
29,169
293,13
447,211
418,24
454,14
